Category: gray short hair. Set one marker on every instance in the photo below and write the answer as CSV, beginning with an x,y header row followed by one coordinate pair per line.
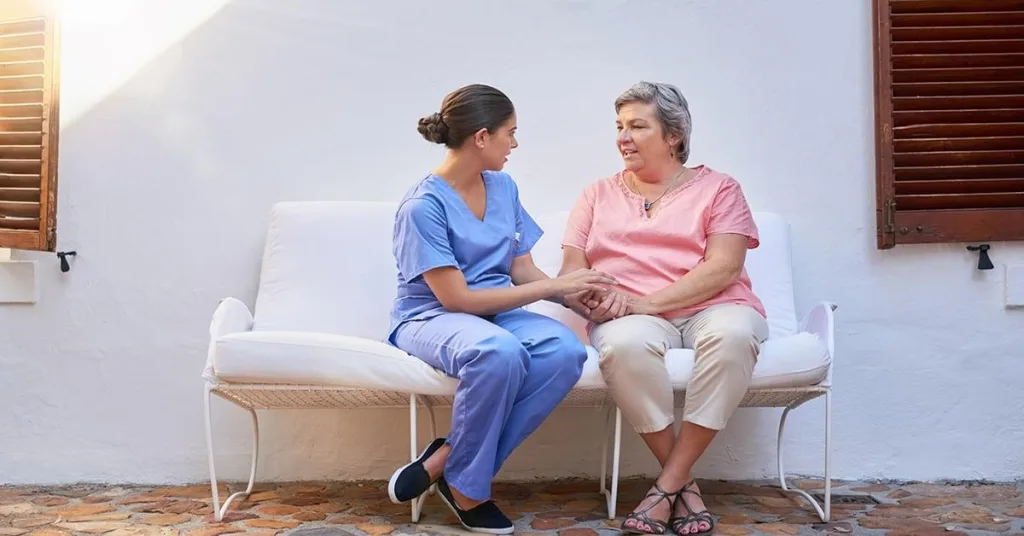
x,y
671,108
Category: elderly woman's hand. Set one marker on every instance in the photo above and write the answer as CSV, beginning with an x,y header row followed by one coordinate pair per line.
x,y
613,305
640,305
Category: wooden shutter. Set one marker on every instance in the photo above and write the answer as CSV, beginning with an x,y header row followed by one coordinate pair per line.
x,y
949,105
29,125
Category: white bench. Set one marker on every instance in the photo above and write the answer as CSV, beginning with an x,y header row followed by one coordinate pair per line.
x,y
321,313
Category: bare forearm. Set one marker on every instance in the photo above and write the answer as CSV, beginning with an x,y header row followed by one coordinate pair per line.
x,y
573,262
705,281
528,273
492,301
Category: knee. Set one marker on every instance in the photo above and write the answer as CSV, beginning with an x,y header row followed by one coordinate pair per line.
x,y
571,354
502,354
731,336
622,351
729,345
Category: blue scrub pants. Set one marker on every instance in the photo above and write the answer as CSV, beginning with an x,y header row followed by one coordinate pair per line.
x,y
513,371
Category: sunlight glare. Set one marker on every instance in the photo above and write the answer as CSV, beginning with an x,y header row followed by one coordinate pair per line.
x,y
106,42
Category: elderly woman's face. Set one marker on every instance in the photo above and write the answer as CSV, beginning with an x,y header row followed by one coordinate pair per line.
x,y
641,140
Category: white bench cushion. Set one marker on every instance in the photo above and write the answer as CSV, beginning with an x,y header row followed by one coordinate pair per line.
x,y
295,357
311,358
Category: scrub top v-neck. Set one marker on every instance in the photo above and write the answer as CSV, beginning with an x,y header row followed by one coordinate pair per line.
x,y
435,228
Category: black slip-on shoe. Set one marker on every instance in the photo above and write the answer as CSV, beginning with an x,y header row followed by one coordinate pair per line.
x,y
412,480
485,517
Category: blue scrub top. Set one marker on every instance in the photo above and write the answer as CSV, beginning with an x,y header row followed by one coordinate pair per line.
x,y
435,228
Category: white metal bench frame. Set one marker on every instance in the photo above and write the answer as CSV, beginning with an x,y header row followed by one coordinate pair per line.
x,y
252,397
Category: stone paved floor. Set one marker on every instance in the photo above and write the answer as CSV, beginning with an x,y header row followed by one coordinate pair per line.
x,y
567,508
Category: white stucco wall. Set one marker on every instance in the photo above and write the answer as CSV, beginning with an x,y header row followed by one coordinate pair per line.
x,y
184,122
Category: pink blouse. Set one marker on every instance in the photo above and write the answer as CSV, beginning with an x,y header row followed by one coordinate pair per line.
x,y
646,254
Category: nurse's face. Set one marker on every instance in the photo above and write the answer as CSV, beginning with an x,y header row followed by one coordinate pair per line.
x,y
498,145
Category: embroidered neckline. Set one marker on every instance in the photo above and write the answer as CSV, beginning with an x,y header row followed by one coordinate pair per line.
x,y
620,178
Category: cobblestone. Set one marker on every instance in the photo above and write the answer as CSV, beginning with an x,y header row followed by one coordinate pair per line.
x,y
567,507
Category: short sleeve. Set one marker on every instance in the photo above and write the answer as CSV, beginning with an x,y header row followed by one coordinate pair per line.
x,y
730,213
421,238
577,228
527,230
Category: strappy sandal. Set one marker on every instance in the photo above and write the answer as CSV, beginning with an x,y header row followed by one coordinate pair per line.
x,y
657,527
704,516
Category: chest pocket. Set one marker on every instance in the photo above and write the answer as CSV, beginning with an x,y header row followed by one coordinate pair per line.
x,y
511,244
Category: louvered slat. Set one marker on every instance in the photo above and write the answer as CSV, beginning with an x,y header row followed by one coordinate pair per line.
x,y
21,40
21,138
19,209
979,18
954,89
20,194
941,173
16,180
959,186
21,152
21,124
21,96
954,6
912,145
957,104
977,46
23,224
963,201
954,158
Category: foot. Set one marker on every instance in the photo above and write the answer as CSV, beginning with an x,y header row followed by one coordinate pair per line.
x,y
485,517
414,478
690,515
651,515
463,502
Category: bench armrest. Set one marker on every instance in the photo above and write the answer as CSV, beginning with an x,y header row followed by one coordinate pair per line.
x,y
820,321
231,316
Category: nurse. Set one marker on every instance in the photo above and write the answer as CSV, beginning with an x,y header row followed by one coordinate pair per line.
x,y
462,243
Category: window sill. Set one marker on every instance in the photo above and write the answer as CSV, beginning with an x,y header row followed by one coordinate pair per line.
x,y
18,282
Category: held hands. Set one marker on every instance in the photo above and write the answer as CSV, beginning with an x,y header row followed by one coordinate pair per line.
x,y
589,294
599,307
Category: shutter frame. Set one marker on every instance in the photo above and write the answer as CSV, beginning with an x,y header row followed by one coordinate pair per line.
x,y
16,234
950,160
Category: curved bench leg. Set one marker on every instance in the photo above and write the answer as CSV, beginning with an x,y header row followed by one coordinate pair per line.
x,y
611,496
218,509
823,513
433,433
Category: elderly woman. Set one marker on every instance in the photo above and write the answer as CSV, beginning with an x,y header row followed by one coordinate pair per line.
x,y
675,238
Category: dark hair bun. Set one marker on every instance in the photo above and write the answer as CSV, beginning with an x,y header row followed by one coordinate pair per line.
x,y
433,128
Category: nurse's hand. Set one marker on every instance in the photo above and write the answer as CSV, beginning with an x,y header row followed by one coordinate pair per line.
x,y
581,303
614,305
578,281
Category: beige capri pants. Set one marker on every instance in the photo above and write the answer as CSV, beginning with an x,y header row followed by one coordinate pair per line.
x,y
726,339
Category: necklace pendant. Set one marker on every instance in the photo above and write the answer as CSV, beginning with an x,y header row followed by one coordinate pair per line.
x,y
647,205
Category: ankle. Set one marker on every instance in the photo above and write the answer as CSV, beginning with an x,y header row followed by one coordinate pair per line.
x,y
674,483
434,465
463,502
